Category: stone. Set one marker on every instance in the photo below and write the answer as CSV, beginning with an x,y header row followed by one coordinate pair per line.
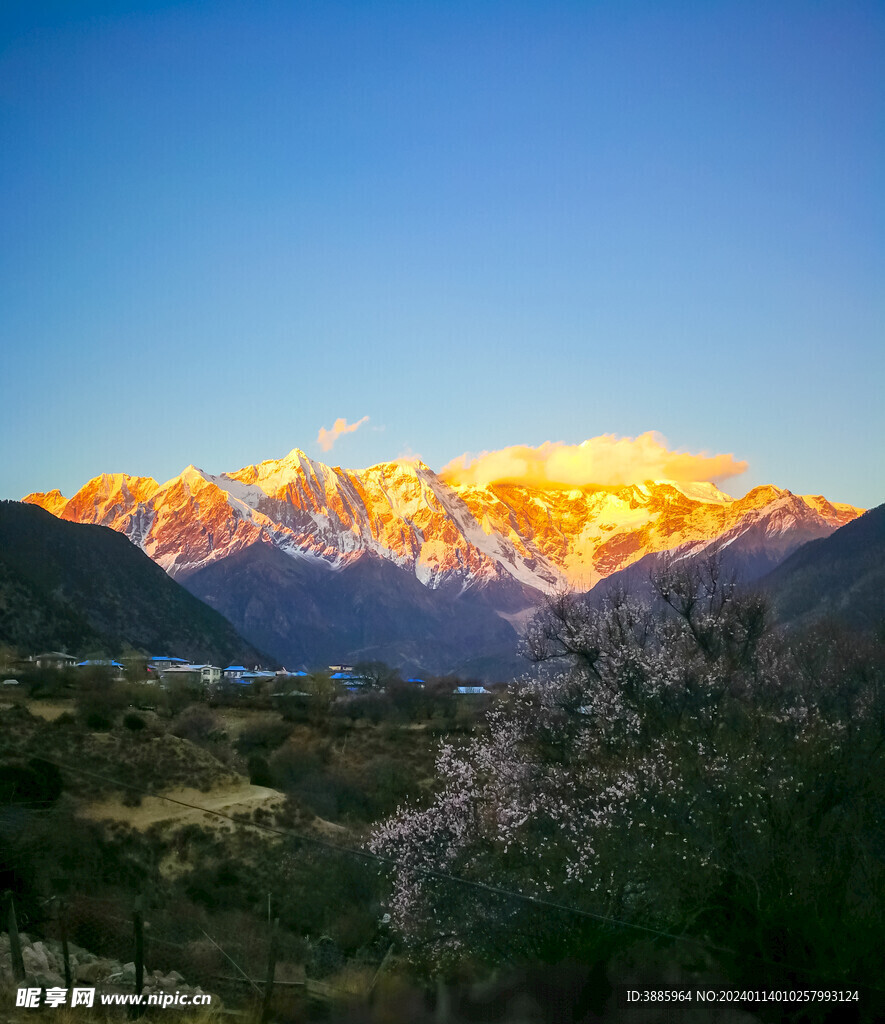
x,y
92,972
49,980
35,960
53,959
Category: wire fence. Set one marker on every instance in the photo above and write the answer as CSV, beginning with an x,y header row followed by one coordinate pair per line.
x,y
123,944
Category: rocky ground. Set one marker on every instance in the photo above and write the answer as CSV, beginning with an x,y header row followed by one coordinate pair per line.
x,y
44,968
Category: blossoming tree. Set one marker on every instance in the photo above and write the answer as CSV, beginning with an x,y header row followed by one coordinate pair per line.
x,y
657,772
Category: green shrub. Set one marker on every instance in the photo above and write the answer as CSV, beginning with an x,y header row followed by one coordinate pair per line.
x,y
267,734
196,724
99,720
290,765
259,771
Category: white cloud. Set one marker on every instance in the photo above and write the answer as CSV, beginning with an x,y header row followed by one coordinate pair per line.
x,y
326,438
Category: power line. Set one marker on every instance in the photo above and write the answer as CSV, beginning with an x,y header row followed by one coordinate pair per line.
x,y
368,855
357,851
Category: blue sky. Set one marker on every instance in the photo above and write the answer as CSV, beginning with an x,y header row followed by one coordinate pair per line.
x,y
225,225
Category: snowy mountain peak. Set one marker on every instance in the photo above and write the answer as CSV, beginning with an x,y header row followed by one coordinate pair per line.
x,y
295,457
191,476
699,491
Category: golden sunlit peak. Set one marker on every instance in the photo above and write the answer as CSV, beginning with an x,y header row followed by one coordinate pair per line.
x,y
139,487
413,462
606,460
698,490
190,476
295,457
53,501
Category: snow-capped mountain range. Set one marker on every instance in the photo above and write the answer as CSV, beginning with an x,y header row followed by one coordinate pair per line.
x,y
316,563
405,514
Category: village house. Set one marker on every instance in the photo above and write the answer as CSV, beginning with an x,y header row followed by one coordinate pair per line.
x,y
208,674
161,662
54,659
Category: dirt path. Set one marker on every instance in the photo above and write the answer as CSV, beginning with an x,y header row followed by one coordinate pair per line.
x,y
236,799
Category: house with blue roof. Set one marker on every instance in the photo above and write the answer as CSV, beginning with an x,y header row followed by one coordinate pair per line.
x,y
163,661
106,663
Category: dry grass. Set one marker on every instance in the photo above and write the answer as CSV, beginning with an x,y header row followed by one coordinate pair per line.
x,y
235,798
49,710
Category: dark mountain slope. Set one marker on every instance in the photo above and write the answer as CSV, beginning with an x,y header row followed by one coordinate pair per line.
x,y
308,614
31,617
89,590
841,576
